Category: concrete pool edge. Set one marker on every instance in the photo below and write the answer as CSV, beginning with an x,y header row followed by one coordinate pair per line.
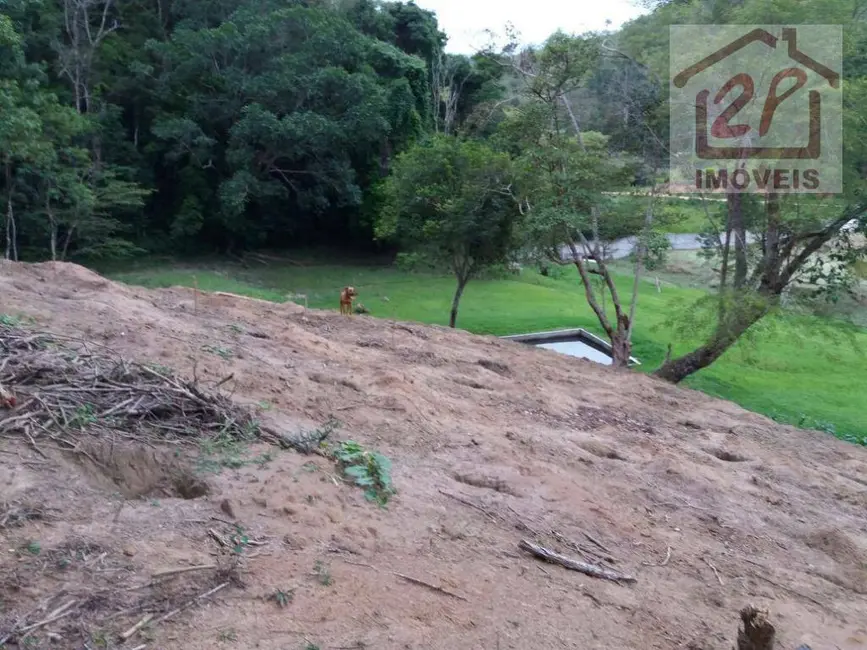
x,y
577,334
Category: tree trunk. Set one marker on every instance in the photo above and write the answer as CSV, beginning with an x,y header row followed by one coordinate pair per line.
x,y
453,317
14,232
621,349
677,370
9,217
641,254
741,308
574,119
770,265
53,241
52,225
9,213
756,632
66,243
747,313
736,221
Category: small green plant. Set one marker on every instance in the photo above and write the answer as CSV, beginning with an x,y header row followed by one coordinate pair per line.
x,y
239,540
369,470
265,405
237,329
83,416
856,439
311,646
228,448
33,547
99,639
227,635
322,573
307,441
15,321
165,371
262,459
282,597
223,353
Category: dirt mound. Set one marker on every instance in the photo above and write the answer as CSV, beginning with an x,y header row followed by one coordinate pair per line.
x,y
706,505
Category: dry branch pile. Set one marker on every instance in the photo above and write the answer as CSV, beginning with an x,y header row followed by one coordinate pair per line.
x,y
63,388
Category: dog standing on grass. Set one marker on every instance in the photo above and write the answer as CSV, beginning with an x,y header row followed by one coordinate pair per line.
x,y
346,297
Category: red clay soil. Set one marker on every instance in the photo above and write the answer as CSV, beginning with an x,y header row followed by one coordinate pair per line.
x,y
708,506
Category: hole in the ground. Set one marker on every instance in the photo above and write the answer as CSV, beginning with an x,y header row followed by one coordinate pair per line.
x,y
727,456
601,450
138,471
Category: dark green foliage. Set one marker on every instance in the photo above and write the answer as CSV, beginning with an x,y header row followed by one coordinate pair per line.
x,y
214,124
450,202
369,470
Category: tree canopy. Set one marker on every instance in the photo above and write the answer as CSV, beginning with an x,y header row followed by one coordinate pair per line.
x,y
451,202
214,125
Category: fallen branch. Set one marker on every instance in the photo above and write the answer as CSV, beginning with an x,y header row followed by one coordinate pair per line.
x,y
466,502
68,390
715,572
523,524
667,557
224,380
218,538
602,546
135,628
56,615
588,553
572,564
422,583
664,562
170,572
190,603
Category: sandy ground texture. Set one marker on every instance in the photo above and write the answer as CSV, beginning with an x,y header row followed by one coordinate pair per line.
x,y
708,506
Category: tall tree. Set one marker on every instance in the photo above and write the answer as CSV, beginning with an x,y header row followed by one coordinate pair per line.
x,y
305,108
565,171
802,242
450,201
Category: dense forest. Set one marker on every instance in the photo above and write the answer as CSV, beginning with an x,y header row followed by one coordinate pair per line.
x,y
192,126
223,126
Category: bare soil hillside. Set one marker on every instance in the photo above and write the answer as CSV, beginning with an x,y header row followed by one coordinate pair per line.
x,y
708,506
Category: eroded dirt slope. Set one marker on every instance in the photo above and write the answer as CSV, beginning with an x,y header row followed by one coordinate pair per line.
x,y
708,506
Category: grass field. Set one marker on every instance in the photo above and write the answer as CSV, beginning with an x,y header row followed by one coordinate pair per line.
x,y
799,370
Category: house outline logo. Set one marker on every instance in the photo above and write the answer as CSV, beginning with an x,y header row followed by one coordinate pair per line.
x,y
722,128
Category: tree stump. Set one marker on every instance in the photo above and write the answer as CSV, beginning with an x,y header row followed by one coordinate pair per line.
x,y
757,632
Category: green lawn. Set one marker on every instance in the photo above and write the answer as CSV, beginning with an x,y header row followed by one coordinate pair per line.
x,y
797,369
685,216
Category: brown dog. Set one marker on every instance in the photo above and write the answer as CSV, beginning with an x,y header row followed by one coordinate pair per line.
x,y
346,297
